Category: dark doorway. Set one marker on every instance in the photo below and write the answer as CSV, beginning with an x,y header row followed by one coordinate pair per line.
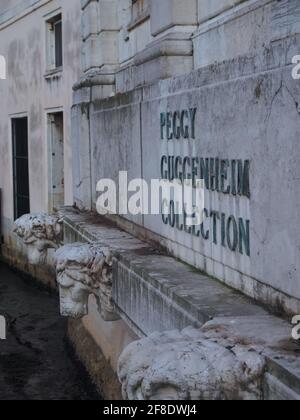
x,y
20,166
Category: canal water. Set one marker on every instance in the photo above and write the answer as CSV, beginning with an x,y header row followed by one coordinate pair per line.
x,y
35,361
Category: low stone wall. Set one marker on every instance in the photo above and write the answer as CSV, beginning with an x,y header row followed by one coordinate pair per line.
x,y
135,311
168,309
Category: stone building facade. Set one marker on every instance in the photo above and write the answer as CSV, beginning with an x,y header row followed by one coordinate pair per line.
x,y
161,58
164,89
35,108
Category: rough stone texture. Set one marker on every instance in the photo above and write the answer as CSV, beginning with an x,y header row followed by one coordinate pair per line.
x,y
39,233
257,330
82,270
187,366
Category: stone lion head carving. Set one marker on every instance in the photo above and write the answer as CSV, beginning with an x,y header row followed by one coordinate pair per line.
x,y
39,232
188,366
82,270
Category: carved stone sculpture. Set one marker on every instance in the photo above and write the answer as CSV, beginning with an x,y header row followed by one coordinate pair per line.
x,y
188,366
82,270
39,232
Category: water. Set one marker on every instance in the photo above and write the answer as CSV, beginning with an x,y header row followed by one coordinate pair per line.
x,y
35,360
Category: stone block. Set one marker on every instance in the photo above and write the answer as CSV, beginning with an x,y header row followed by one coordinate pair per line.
x,y
100,50
89,20
157,293
170,56
208,9
168,13
81,155
108,15
115,140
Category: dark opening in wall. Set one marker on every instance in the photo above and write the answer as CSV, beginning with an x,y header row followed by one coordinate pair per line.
x,y
20,166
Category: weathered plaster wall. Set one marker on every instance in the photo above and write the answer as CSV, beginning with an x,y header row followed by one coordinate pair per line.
x,y
27,91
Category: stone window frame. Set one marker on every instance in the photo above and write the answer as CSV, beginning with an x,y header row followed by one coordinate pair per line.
x,y
50,19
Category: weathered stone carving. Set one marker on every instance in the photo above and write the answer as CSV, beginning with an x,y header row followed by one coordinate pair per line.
x,y
188,366
82,270
39,232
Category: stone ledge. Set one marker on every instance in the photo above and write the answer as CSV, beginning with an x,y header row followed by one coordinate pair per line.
x,y
228,359
194,301
174,44
156,293
169,56
171,295
274,389
96,78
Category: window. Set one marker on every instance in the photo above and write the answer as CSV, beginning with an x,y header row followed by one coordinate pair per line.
x,y
54,43
20,166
